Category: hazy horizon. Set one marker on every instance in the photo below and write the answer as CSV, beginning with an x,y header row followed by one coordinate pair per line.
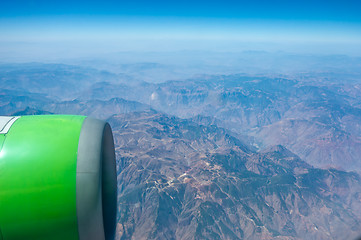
x,y
38,30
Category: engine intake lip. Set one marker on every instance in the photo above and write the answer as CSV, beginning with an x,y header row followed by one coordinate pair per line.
x,y
96,182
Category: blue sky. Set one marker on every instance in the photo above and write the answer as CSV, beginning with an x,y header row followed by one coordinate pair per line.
x,y
324,26
331,10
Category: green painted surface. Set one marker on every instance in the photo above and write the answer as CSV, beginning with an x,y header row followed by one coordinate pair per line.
x,y
38,178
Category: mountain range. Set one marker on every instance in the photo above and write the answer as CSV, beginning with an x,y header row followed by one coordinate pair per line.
x,y
235,156
181,180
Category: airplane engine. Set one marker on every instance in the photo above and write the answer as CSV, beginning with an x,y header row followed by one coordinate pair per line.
x,y
57,178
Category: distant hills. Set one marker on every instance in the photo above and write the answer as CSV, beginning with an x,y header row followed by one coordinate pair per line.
x,y
59,81
319,121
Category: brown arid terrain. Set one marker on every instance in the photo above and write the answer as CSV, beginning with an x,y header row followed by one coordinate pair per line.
x,y
181,180
234,156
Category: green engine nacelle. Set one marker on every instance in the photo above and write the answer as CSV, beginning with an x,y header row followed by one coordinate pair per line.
x,y
57,178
